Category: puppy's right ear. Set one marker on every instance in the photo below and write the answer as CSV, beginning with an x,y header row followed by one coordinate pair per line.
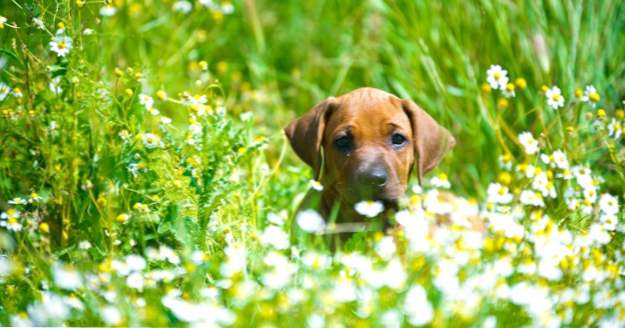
x,y
306,133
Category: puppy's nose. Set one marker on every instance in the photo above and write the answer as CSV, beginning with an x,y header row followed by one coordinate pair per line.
x,y
374,177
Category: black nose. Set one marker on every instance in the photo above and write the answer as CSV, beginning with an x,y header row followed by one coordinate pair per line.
x,y
374,177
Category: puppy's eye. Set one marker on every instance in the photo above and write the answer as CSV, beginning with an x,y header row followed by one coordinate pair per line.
x,y
398,140
343,143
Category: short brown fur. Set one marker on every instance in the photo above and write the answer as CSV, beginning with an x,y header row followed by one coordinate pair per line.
x,y
370,118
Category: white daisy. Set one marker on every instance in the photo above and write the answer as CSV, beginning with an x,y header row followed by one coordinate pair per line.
x,y
615,129
9,220
316,185
182,6
4,91
151,141
55,85
543,183
61,45
146,101
165,120
111,315
310,221
65,277
532,198
560,160
508,90
591,95
498,194
440,181
386,247
84,245
555,99
108,11
316,261
275,237
530,145
417,306
369,208
497,77
227,8
39,23
608,204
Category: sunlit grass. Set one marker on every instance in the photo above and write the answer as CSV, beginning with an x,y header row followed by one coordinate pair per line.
x,y
145,178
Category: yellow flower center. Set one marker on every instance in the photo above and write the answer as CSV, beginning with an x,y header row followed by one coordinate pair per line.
x,y
594,96
497,75
556,97
61,45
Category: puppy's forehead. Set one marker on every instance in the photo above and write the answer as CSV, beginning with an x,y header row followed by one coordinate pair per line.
x,y
369,109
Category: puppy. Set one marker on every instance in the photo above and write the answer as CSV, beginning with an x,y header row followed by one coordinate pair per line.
x,y
364,145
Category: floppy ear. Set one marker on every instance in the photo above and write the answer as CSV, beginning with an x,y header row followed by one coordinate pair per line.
x,y
431,141
306,133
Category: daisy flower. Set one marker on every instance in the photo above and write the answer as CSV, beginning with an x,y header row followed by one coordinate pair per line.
x,y
499,194
9,218
151,141
4,91
108,11
39,23
508,90
554,97
55,85
316,261
530,145
17,92
591,95
440,181
182,6
608,204
146,101
310,221
369,208
66,277
615,129
316,185
61,45
275,237
560,160
165,120
417,306
497,77
557,159
532,198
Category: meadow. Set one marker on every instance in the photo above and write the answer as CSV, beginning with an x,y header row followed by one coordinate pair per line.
x,y
145,179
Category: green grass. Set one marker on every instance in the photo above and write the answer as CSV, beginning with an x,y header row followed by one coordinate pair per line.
x,y
274,60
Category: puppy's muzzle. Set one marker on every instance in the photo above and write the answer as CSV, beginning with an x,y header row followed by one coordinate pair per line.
x,y
374,177
374,181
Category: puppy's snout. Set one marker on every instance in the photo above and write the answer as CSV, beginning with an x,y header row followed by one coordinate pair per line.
x,y
375,176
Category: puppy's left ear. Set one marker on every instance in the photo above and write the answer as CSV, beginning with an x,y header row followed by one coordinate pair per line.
x,y
431,141
306,133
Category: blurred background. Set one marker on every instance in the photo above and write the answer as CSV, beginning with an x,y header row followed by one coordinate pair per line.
x,y
278,58
92,169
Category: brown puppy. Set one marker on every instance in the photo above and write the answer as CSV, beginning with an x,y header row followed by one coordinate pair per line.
x,y
364,145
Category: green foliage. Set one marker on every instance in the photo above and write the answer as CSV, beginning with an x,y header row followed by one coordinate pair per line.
x,y
142,157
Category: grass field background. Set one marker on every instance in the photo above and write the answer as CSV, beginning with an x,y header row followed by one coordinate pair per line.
x,y
145,178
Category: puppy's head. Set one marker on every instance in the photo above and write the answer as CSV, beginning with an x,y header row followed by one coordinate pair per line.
x,y
365,144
